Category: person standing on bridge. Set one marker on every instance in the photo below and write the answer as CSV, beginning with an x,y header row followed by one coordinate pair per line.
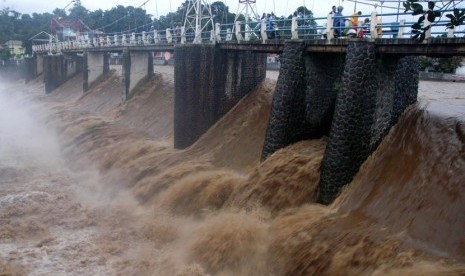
x,y
333,10
365,30
270,26
354,19
338,22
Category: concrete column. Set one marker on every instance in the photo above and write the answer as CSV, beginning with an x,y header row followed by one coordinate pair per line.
x,y
350,137
305,96
374,93
244,71
39,64
126,73
85,73
150,65
288,112
54,72
74,65
30,69
96,64
406,85
137,66
208,83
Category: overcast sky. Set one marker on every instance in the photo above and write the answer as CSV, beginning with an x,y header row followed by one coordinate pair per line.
x,y
157,8
320,8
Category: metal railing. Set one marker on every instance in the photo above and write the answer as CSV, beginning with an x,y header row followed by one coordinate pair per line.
x,y
239,32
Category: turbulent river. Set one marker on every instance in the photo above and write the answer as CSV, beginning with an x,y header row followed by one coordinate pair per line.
x,y
92,186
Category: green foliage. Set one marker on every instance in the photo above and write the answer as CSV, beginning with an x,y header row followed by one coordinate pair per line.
x,y
59,13
456,19
303,10
431,14
221,13
442,65
5,54
78,12
16,26
116,20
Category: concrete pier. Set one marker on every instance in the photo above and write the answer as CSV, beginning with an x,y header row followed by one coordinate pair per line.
x,y
96,64
57,69
208,83
137,66
354,98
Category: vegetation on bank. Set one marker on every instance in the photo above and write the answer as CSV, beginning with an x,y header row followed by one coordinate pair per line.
x,y
442,65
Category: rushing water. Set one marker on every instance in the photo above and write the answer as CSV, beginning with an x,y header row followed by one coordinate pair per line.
x,y
92,186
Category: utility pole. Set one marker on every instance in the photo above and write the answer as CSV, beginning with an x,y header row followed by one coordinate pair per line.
x,y
72,1
198,17
249,6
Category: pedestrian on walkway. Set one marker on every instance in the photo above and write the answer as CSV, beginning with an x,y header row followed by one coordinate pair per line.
x,y
333,10
338,22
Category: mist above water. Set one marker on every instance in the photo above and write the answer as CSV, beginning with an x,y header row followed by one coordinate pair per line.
x,y
55,218
21,134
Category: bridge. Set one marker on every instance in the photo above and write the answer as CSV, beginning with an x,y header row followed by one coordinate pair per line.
x,y
255,36
352,90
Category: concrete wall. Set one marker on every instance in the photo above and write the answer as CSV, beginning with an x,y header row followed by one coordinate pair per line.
x,y
39,64
29,69
208,83
34,66
12,70
72,66
137,66
56,69
355,99
96,64
54,72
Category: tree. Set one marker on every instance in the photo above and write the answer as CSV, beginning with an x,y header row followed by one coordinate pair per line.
x,y
434,11
95,18
60,13
443,65
221,13
6,25
305,14
78,12
302,10
305,20
5,54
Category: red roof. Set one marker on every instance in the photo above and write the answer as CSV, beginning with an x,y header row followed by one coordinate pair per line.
x,y
57,23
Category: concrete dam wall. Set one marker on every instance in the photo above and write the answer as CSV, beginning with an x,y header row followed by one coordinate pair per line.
x,y
354,98
208,83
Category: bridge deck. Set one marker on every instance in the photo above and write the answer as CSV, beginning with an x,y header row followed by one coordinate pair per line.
x,y
433,46
404,46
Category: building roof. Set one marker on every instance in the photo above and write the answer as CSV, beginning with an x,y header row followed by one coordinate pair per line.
x,y
14,43
59,23
41,37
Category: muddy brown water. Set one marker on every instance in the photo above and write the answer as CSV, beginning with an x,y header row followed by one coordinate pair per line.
x,y
92,186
